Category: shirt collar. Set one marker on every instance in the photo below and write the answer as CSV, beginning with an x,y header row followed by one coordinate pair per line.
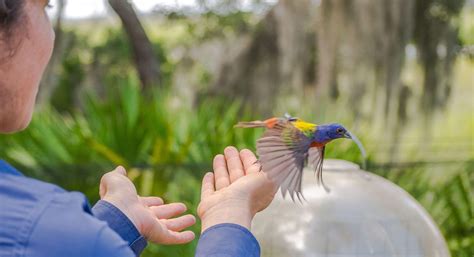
x,y
8,169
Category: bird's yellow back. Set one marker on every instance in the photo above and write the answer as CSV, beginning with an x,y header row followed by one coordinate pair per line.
x,y
304,126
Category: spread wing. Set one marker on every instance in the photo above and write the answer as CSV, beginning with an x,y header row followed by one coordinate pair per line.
x,y
315,159
283,150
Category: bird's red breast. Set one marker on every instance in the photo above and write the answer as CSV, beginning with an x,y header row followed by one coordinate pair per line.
x,y
318,144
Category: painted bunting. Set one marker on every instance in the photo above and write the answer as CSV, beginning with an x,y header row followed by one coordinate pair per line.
x,y
288,144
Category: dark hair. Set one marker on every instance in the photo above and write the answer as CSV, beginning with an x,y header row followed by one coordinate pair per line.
x,y
10,12
10,15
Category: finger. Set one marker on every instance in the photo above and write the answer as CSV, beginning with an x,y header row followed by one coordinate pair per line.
x,y
180,223
221,174
207,185
167,211
151,200
234,164
173,237
249,161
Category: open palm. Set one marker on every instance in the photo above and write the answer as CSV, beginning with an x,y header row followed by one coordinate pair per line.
x,y
153,219
235,191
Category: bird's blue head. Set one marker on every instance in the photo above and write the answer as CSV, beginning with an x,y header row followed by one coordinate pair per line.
x,y
335,131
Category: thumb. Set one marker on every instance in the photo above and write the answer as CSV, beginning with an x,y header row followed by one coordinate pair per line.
x,y
120,170
108,178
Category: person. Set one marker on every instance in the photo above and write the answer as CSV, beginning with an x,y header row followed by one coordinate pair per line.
x,y
42,219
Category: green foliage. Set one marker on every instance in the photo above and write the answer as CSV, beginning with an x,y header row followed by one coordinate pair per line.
x,y
53,149
112,59
466,29
72,73
219,25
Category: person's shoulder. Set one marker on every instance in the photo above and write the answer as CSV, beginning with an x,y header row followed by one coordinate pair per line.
x,y
64,230
45,220
69,227
17,187
23,200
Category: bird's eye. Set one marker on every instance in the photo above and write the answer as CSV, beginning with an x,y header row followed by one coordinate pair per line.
x,y
339,130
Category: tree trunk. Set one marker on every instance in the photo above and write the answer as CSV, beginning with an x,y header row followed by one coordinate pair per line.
x,y
145,59
274,61
435,34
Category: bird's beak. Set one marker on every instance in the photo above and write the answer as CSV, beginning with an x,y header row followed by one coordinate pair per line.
x,y
347,135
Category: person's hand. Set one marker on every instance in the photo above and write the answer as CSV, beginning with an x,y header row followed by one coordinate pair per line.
x,y
236,191
153,219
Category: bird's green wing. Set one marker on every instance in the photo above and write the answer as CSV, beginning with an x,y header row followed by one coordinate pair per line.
x,y
315,159
282,152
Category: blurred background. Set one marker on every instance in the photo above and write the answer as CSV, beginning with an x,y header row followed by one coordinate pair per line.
x,y
157,85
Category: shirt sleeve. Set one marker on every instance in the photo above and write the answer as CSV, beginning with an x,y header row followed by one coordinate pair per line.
x,y
108,244
227,240
120,223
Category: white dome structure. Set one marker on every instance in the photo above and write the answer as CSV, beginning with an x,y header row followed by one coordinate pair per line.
x,y
363,215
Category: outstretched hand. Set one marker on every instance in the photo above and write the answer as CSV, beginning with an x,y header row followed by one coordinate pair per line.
x,y
235,191
153,219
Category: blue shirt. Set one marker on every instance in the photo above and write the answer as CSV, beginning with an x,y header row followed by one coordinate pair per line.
x,y
39,219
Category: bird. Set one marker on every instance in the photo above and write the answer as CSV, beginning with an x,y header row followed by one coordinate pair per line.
x,y
289,144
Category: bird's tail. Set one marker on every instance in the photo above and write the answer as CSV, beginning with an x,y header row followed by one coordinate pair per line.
x,y
251,124
257,123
